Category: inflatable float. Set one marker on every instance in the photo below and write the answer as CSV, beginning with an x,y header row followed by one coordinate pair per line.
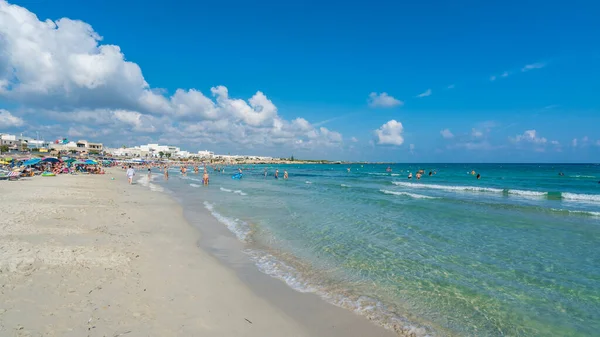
x,y
237,176
48,174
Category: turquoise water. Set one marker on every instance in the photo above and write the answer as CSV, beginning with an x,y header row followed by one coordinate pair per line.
x,y
512,254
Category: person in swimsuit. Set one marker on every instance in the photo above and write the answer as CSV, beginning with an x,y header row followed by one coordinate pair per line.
x,y
276,174
265,173
149,172
285,174
410,175
205,178
166,172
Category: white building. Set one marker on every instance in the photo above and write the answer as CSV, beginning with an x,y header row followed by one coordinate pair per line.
x,y
205,154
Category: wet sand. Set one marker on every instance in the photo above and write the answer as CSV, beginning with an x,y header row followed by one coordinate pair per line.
x,y
90,256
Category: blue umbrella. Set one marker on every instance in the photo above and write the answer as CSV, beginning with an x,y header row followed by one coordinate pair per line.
x,y
32,161
91,162
51,160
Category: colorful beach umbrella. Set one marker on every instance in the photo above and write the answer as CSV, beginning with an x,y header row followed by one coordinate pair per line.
x,y
32,161
51,160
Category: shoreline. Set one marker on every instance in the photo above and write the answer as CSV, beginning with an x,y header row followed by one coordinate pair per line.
x,y
86,255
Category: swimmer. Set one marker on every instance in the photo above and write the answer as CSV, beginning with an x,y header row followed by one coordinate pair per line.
x,y
478,176
348,170
285,174
410,175
430,173
205,178
418,175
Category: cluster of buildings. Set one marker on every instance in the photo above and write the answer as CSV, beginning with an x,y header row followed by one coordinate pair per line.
x,y
166,151
10,143
19,143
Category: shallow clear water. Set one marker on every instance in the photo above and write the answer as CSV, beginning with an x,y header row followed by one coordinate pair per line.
x,y
514,253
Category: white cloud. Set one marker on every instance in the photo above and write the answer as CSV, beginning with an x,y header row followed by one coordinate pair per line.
x,y
383,100
390,133
574,142
425,93
411,148
60,71
555,142
8,120
476,133
529,136
354,140
533,66
492,78
598,142
504,74
447,134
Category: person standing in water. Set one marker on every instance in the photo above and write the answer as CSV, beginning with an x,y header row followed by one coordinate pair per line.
x,y
265,172
285,174
130,174
276,174
410,175
205,178
166,172
149,172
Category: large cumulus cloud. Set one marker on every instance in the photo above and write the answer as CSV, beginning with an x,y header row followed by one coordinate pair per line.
x,y
59,71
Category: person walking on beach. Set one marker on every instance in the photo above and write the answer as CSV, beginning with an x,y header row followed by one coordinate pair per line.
x,y
130,174
166,172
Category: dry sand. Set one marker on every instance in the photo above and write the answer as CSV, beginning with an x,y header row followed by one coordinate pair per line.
x,y
90,256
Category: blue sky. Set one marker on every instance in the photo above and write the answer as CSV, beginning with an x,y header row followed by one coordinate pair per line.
x,y
495,72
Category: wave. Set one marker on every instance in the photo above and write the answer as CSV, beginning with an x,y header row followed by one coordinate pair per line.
x,y
582,176
581,197
361,305
147,182
194,185
308,182
344,185
240,228
570,211
522,193
240,192
527,193
412,195
449,187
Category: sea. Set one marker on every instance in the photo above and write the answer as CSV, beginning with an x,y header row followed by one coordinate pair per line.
x,y
514,253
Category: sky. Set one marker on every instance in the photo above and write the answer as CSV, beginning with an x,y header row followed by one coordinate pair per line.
x,y
428,81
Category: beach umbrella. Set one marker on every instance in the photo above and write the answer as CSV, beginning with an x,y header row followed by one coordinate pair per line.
x,y
32,161
51,160
79,162
70,160
91,162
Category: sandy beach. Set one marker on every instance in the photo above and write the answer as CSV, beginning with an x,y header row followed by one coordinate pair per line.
x,y
90,256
